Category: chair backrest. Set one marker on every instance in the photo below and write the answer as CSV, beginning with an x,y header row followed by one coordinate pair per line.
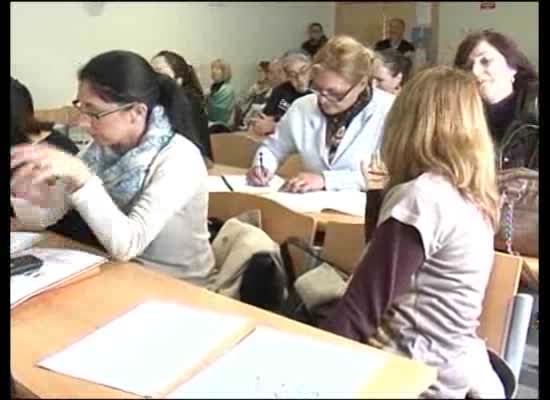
x,y
291,167
278,221
501,289
63,115
232,149
344,245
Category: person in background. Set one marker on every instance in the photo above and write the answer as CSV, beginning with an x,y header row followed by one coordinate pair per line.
x,y
140,187
221,99
391,70
395,40
317,39
509,86
297,70
256,97
334,129
276,73
174,66
419,288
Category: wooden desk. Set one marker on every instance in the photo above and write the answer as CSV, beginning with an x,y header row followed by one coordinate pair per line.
x,y
50,322
322,218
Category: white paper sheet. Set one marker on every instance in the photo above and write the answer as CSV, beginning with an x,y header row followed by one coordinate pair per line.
x,y
239,184
147,349
272,364
59,265
20,241
347,202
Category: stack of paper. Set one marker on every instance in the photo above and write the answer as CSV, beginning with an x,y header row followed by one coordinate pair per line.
x,y
20,241
60,266
151,349
270,364
238,183
347,202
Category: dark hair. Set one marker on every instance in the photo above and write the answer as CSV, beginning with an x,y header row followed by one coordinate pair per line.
x,y
264,65
184,71
22,120
526,72
316,24
396,62
123,77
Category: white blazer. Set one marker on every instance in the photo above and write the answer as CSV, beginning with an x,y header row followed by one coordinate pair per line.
x,y
303,128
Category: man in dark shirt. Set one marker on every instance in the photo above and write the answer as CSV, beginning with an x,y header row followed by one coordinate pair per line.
x,y
297,68
395,39
317,39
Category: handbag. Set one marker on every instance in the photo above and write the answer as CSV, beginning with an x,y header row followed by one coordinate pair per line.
x,y
518,232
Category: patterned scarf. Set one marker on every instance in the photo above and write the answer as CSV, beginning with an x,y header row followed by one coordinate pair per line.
x,y
123,175
338,124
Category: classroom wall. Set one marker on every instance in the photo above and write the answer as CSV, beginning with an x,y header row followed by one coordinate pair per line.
x,y
50,41
520,20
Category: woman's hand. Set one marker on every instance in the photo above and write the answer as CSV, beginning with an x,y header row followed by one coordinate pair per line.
x,y
258,176
44,164
304,182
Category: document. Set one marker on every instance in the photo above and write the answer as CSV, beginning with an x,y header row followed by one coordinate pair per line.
x,y
20,241
238,183
60,265
347,202
150,348
273,364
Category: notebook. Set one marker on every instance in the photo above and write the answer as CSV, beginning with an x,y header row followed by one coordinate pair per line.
x,y
151,349
239,183
20,241
348,202
61,266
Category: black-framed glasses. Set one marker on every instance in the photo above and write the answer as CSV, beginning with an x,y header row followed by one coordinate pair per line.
x,y
98,115
332,97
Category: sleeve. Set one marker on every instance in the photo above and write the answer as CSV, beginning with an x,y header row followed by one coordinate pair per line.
x,y
384,274
380,45
344,180
127,236
277,147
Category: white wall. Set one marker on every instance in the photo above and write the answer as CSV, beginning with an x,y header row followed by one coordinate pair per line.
x,y
50,41
520,20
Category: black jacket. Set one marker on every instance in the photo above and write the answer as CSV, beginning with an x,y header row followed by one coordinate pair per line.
x,y
404,46
519,146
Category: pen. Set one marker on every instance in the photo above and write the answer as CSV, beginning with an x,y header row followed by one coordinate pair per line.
x,y
227,183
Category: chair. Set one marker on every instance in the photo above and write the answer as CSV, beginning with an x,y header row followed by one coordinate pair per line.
x,y
344,245
291,167
62,115
506,314
232,149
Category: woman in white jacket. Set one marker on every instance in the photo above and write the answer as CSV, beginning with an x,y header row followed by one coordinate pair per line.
x,y
334,129
140,188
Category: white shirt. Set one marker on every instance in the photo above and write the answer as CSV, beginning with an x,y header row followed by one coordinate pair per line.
x,y
303,128
166,229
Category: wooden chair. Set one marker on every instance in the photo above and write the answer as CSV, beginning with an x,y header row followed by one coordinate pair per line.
x,y
62,115
278,221
232,149
344,245
291,167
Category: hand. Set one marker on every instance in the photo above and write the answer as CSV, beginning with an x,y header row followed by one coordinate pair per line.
x,y
375,177
44,164
258,176
304,182
263,125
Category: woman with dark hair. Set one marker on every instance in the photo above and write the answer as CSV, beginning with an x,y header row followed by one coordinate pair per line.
x,y
509,86
140,187
175,66
391,70
317,39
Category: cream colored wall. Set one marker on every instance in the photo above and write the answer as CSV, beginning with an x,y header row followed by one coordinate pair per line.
x,y
50,41
520,20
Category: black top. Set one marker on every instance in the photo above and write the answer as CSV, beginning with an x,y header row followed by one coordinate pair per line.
x,y
198,122
404,47
500,116
280,100
311,46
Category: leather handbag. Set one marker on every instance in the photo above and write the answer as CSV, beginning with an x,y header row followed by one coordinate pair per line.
x,y
519,220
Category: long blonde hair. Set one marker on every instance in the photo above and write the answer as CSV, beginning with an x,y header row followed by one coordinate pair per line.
x,y
347,57
437,124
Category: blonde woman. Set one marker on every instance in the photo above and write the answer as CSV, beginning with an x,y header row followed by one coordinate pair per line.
x,y
419,288
221,99
333,129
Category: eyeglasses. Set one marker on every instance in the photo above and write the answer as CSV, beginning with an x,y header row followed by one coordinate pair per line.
x,y
332,97
98,115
